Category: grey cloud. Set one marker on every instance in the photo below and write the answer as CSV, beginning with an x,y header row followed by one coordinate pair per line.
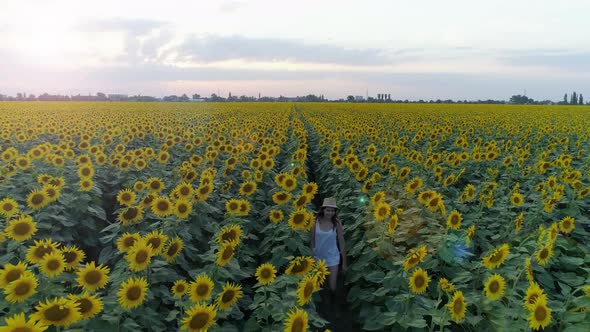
x,y
579,61
218,48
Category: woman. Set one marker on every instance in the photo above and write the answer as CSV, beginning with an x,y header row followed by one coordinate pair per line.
x,y
327,240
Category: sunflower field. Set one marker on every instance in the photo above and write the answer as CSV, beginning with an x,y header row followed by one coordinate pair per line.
x,y
196,216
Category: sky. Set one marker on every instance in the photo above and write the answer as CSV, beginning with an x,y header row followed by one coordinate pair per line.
x,y
453,49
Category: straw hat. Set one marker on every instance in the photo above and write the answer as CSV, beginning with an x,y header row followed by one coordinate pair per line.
x,y
330,202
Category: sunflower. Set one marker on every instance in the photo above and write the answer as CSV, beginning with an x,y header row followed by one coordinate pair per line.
x,y
92,277
567,225
454,220
200,290
413,185
544,254
225,253
415,257
518,223
53,192
248,188
540,314
86,184
310,189
232,206
297,321
8,207
419,281
161,206
179,288
446,285
307,286
266,274
382,211
320,271
199,318
126,197
300,266
533,293
229,296
301,201
289,183
18,323
127,240
516,199
89,305
173,249
298,219
59,312
21,228
281,197
21,289
53,264
378,197
244,209
23,162
276,215
155,185
457,306
139,186
496,257
131,215
37,199
36,252
73,256
139,256
12,272
392,225
231,233
132,292
156,239
494,287
86,171
184,190
182,209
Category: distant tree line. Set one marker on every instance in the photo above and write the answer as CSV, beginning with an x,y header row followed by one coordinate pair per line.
x,y
574,99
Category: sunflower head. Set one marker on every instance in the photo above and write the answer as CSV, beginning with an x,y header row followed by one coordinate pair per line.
x,y
200,290
229,296
231,233
297,321
22,288
300,266
266,274
199,318
59,312
89,305
419,281
92,277
494,287
132,292
179,288
173,249
21,228
457,306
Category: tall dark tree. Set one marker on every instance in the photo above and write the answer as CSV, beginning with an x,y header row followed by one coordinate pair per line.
x,y
574,100
581,100
565,98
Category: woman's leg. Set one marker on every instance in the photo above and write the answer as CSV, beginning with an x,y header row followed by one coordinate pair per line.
x,y
333,277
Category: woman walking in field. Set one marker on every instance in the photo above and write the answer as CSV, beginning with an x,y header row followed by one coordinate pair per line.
x,y
327,242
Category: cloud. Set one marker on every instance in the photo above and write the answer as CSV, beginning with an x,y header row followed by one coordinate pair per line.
x,y
562,59
230,6
135,27
221,48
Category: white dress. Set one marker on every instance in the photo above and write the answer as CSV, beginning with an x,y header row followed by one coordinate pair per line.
x,y
325,246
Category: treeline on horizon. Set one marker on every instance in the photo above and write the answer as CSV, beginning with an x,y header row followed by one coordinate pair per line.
x,y
574,99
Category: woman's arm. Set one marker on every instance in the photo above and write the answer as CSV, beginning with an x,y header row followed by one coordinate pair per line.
x,y
340,234
312,241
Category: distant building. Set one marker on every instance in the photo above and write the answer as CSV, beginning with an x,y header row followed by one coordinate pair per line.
x,y
359,98
117,97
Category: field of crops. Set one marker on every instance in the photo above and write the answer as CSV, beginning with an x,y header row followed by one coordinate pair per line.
x,y
197,216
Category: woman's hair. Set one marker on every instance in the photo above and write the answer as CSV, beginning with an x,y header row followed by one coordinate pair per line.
x,y
320,215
